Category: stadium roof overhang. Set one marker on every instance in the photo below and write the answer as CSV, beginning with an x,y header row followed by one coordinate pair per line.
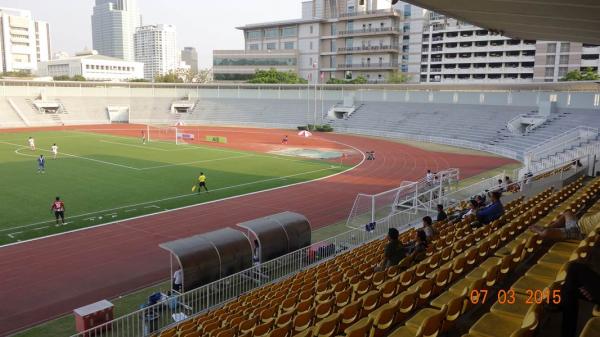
x,y
551,20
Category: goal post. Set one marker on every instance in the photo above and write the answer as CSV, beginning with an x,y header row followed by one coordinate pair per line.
x,y
175,134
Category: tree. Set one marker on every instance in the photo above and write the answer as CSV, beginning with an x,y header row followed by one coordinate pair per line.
x,y
589,74
20,73
273,76
190,76
358,80
67,78
397,77
170,77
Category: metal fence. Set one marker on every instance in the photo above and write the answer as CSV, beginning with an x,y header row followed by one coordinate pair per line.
x,y
433,139
153,318
559,143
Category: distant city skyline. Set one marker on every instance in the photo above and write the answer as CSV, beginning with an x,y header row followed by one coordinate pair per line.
x,y
205,25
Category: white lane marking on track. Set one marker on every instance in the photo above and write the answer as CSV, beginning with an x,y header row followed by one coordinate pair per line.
x,y
175,197
75,156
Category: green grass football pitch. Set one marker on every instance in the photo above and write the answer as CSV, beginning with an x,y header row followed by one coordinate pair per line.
x,y
104,178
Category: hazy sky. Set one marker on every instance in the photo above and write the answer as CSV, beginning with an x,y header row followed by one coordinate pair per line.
x,y
204,24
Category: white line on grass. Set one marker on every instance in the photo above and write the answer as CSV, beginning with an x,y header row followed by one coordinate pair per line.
x,y
152,203
72,155
196,162
194,205
136,146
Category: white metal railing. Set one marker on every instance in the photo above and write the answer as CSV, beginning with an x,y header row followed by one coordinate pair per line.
x,y
511,124
560,143
566,157
153,318
454,197
420,195
434,139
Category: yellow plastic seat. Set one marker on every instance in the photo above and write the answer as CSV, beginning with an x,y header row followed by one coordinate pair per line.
x,y
591,328
327,327
527,283
361,328
596,311
543,270
518,309
383,318
430,324
500,325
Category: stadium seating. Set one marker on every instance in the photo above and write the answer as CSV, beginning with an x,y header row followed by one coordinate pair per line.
x,y
346,296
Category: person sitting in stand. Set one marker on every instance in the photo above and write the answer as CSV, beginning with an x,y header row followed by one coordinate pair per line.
x,y
430,232
567,227
480,201
472,208
501,187
491,212
441,215
510,186
394,251
419,248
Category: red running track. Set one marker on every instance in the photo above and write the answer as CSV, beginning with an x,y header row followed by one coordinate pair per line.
x,y
46,278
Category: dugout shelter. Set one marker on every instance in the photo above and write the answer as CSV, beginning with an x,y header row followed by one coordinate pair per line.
x,y
210,256
278,234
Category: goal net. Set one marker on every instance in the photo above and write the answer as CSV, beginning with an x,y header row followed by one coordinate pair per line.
x,y
175,134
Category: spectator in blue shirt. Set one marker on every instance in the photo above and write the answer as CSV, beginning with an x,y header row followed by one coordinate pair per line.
x,y
493,211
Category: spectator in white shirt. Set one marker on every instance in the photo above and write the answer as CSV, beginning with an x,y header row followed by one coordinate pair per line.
x,y
178,280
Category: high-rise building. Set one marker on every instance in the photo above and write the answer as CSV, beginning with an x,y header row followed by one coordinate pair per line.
x,y
23,41
341,39
455,51
156,48
113,26
189,55
553,60
344,39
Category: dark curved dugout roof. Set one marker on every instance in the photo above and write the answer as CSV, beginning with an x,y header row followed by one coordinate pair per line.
x,y
210,256
562,20
279,234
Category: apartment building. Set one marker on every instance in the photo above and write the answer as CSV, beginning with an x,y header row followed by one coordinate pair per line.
x,y
341,39
156,48
300,37
240,65
344,39
455,51
555,59
23,41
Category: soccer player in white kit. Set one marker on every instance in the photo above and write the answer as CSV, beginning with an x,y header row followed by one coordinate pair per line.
x,y
31,143
54,149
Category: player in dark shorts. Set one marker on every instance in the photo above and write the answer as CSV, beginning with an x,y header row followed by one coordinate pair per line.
x,y
202,182
58,207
